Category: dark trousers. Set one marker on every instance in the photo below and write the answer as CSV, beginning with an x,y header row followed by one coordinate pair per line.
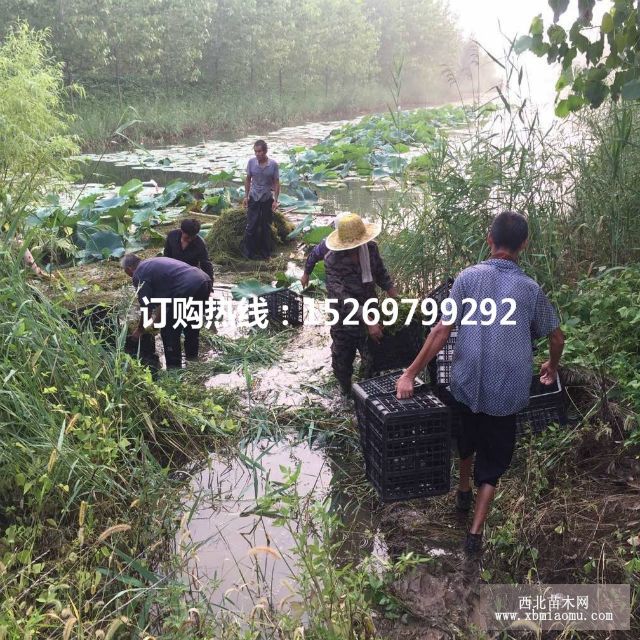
x,y
171,336
345,343
257,235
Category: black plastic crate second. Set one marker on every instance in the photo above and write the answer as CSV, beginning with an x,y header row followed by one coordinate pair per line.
x,y
397,350
406,445
420,473
285,306
546,405
441,292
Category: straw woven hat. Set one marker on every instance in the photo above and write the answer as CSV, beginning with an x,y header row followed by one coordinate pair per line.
x,y
352,232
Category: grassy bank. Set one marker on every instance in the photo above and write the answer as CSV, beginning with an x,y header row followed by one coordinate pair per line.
x,y
169,117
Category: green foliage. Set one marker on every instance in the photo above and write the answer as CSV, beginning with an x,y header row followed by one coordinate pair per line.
x,y
371,147
611,68
606,166
338,593
87,441
331,50
464,183
603,320
34,139
101,227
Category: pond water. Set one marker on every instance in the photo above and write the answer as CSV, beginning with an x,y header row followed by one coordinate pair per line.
x,y
195,163
239,557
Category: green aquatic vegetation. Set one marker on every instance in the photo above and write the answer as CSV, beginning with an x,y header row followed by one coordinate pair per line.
x,y
87,501
373,146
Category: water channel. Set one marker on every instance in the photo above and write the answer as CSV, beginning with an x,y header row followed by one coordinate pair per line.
x,y
237,557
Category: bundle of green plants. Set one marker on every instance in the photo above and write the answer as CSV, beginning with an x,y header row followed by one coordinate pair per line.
x,y
225,237
87,440
405,309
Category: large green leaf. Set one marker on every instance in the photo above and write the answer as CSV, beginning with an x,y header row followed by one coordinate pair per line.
x,y
631,90
131,188
316,235
250,288
301,227
100,244
173,193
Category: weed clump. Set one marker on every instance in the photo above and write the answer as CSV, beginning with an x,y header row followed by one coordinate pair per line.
x,y
225,236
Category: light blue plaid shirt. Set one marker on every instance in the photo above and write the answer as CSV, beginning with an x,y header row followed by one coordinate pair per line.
x,y
492,364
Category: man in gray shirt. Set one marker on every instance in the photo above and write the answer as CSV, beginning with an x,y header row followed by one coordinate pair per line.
x,y
262,189
492,361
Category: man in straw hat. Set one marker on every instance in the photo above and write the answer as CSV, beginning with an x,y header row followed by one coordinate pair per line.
x,y
353,266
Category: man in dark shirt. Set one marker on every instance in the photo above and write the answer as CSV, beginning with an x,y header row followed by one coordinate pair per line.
x,y
353,267
172,279
186,245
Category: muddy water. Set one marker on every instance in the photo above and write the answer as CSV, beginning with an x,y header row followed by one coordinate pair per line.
x,y
240,558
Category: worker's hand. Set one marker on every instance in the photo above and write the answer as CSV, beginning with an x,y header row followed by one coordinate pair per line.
x,y
375,332
245,202
275,205
404,386
548,374
305,280
393,293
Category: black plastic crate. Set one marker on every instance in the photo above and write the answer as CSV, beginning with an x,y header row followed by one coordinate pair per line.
x,y
546,405
441,292
444,359
380,385
406,444
100,318
371,388
397,350
285,306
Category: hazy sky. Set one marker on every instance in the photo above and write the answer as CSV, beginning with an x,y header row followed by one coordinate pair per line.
x,y
484,19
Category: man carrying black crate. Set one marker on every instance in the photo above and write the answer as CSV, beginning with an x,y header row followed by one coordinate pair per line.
x,y
353,267
501,310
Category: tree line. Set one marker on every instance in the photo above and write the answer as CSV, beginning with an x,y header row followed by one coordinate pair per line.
x,y
249,46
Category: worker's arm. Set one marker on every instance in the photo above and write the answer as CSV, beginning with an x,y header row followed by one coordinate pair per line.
x,y
204,262
317,254
247,187
432,346
276,194
546,323
168,253
549,369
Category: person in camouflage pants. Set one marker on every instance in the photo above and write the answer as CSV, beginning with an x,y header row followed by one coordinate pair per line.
x,y
353,268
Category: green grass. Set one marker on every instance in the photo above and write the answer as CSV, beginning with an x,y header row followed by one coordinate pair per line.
x,y
88,439
173,116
